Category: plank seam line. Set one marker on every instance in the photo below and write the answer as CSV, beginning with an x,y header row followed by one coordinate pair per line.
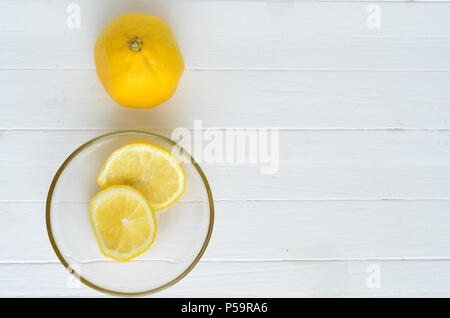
x,y
316,1
44,129
245,69
336,259
328,1
335,1
264,200
281,260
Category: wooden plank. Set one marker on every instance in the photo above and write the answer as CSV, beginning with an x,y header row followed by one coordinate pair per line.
x,y
316,100
274,230
325,72
239,34
318,165
260,279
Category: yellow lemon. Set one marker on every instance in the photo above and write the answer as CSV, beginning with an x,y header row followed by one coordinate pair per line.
x,y
152,170
123,221
138,60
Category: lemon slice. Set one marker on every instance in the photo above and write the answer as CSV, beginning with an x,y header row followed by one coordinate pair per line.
x,y
152,170
123,221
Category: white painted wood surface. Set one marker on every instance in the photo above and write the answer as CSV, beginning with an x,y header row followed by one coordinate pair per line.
x,y
364,119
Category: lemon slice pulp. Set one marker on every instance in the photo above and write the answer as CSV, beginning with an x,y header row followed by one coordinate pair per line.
x,y
152,170
123,222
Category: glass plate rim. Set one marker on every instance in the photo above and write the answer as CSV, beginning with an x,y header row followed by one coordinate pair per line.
x,y
55,181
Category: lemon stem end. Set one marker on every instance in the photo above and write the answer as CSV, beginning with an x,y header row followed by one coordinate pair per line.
x,y
135,44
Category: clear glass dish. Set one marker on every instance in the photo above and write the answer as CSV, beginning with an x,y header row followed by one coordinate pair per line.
x,y
184,228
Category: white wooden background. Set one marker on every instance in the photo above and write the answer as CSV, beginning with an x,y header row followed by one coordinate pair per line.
x,y
364,119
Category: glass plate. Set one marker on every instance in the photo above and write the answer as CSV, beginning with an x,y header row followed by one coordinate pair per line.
x,y
184,228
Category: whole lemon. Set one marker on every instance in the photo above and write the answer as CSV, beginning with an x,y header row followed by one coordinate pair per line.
x,y
138,60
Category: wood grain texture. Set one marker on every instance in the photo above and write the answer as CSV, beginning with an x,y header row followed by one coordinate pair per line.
x,y
299,230
75,99
254,279
239,34
363,114
317,165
